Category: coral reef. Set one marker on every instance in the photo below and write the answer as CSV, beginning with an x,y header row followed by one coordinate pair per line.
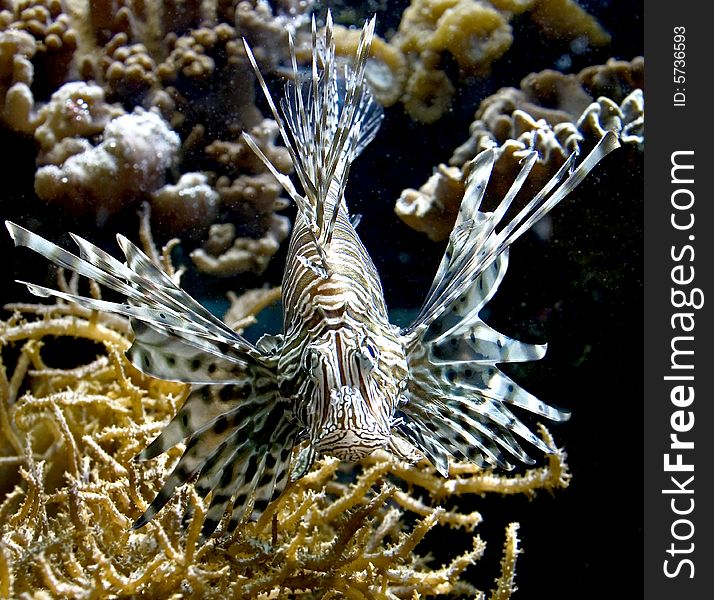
x,y
100,64
475,33
226,255
183,64
386,68
552,113
78,83
35,35
70,491
565,17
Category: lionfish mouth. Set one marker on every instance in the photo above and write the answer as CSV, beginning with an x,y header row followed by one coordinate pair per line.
x,y
351,430
350,445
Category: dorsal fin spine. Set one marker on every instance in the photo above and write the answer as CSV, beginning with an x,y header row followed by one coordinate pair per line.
x,y
321,134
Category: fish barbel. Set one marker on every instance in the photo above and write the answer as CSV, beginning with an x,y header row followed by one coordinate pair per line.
x,y
340,379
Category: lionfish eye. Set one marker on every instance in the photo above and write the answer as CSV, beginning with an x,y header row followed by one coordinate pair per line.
x,y
310,359
368,355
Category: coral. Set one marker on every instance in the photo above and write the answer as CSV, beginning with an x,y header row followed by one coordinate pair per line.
x,y
432,209
243,308
77,109
226,255
476,33
628,119
16,76
615,79
386,69
129,163
71,492
183,60
266,31
428,93
129,69
187,207
559,18
54,34
552,113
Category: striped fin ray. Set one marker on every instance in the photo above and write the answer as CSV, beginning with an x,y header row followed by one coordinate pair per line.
x,y
474,243
462,408
325,122
239,447
460,336
188,358
164,317
414,429
141,281
461,437
458,398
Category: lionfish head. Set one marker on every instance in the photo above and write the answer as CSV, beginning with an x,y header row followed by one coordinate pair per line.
x,y
349,414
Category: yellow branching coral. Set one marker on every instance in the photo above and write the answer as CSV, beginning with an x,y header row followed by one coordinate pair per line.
x,y
71,491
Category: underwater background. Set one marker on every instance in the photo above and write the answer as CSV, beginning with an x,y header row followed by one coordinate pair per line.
x,y
575,283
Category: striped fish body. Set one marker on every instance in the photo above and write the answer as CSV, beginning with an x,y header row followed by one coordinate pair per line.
x,y
340,377
342,364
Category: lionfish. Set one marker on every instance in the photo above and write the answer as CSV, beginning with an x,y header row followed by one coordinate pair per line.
x,y
341,379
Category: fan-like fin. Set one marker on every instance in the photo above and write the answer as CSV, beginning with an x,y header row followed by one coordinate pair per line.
x,y
469,304
239,447
474,244
457,397
189,359
164,317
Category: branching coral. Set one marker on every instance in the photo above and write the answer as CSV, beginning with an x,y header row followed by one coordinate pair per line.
x,y
16,76
225,255
552,113
76,110
53,43
71,492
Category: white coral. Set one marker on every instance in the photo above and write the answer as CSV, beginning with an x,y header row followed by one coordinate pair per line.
x,y
77,109
188,205
128,165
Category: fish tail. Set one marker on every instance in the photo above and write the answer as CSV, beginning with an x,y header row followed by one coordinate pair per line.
x,y
460,402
